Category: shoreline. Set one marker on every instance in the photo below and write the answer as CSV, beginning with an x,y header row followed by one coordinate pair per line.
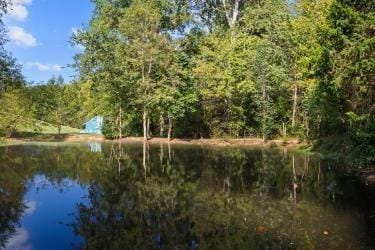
x,y
366,176
237,142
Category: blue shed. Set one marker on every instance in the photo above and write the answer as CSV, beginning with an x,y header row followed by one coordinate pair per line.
x,y
94,126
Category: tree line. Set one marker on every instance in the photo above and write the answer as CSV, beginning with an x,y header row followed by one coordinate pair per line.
x,y
226,68
233,68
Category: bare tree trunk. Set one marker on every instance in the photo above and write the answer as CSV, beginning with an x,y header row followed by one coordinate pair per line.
x,y
161,124
307,126
264,113
120,122
295,103
231,14
145,132
284,129
144,125
170,126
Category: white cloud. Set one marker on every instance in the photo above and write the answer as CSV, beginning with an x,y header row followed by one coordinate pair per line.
x,y
19,240
44,67
75,30
18,9
20,37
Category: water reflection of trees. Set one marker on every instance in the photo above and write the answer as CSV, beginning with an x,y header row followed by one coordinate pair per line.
x,y
12,189
19,165
215,198
158,196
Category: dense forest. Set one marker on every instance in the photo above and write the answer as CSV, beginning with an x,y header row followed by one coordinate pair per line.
x,y
212,68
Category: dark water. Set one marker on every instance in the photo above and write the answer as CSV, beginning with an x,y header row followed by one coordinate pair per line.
x,y
92,196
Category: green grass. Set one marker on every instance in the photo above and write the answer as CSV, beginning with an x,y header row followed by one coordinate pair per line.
x,y
41,127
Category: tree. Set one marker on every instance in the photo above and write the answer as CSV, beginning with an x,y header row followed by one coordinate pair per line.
x,y
141,27
3,10
231,67
124,54
220,13
10,72
346,75
268,75
59,102
174,93
224,82
53,102
310,17
15,112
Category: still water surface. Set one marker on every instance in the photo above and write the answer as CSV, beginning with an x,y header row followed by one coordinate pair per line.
x,y
132,196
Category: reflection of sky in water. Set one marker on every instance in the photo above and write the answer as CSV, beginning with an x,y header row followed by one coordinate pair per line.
x,y
224,196
30,207
19,241
41,227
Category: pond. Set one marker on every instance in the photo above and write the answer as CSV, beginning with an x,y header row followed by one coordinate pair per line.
x,y
135,196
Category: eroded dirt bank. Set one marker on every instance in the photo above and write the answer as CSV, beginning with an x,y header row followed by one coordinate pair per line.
x,y
213,142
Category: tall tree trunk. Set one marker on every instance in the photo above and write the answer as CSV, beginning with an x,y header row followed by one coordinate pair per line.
x,y
170,126
120,122
295,103
144,125
264,112
231,14
284,129
161,125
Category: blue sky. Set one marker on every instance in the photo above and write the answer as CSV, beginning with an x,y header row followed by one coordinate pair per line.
x,y
39,33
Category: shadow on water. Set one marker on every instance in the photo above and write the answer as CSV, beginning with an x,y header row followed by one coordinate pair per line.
x,y
142,196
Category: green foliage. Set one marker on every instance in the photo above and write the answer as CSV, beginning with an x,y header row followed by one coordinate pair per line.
x,y
56,103
129,55
15,111
345,73
219,69
223,83
10,71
